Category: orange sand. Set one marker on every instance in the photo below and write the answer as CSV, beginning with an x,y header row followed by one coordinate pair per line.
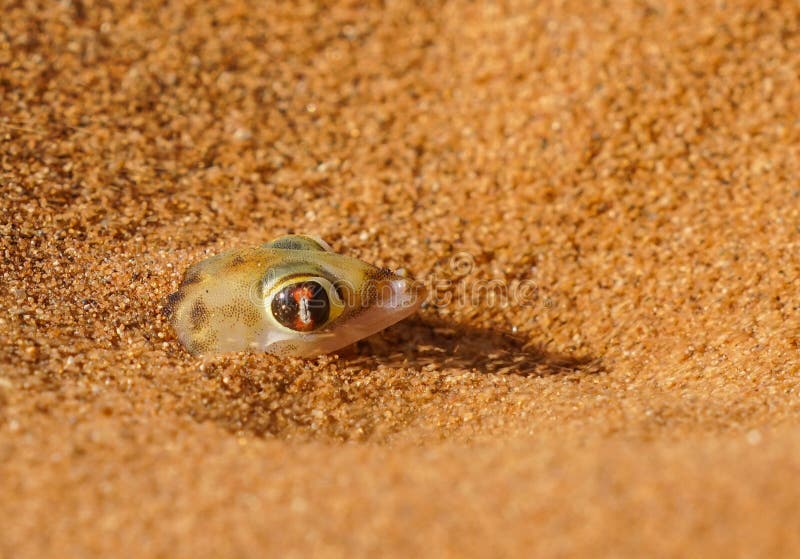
x,y
639,164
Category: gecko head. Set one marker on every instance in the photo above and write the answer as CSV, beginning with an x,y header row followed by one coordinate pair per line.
x,y
293,296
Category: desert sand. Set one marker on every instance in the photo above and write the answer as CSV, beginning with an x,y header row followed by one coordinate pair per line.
x,y
625,175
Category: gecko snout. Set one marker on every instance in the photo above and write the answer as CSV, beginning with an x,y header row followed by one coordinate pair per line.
x,y
400,293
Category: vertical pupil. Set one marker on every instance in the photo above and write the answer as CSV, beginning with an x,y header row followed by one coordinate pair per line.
x,y
301,306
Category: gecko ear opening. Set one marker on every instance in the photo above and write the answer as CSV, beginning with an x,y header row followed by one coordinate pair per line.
x,y
299,242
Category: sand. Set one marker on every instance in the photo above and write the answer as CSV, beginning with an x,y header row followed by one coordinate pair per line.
x,y
625,176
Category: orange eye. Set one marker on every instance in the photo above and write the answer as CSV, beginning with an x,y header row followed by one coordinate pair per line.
x,y
302,306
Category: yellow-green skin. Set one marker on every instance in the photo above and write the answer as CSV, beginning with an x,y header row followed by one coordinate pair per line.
x,y
223,303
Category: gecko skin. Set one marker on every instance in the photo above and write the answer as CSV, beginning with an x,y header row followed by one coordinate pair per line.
x,y
292,296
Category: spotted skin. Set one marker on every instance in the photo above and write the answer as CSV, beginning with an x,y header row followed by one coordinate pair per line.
x,y
224,302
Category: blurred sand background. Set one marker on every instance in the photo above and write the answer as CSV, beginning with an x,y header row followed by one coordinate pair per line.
x,y
638,162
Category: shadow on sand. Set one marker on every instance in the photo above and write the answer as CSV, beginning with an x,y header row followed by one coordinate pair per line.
x,y
431,343
257,393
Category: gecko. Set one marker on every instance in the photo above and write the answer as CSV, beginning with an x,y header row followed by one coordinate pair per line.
x,y
293,296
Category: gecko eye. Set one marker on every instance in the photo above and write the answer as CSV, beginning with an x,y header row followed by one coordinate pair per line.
x,y
303,306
